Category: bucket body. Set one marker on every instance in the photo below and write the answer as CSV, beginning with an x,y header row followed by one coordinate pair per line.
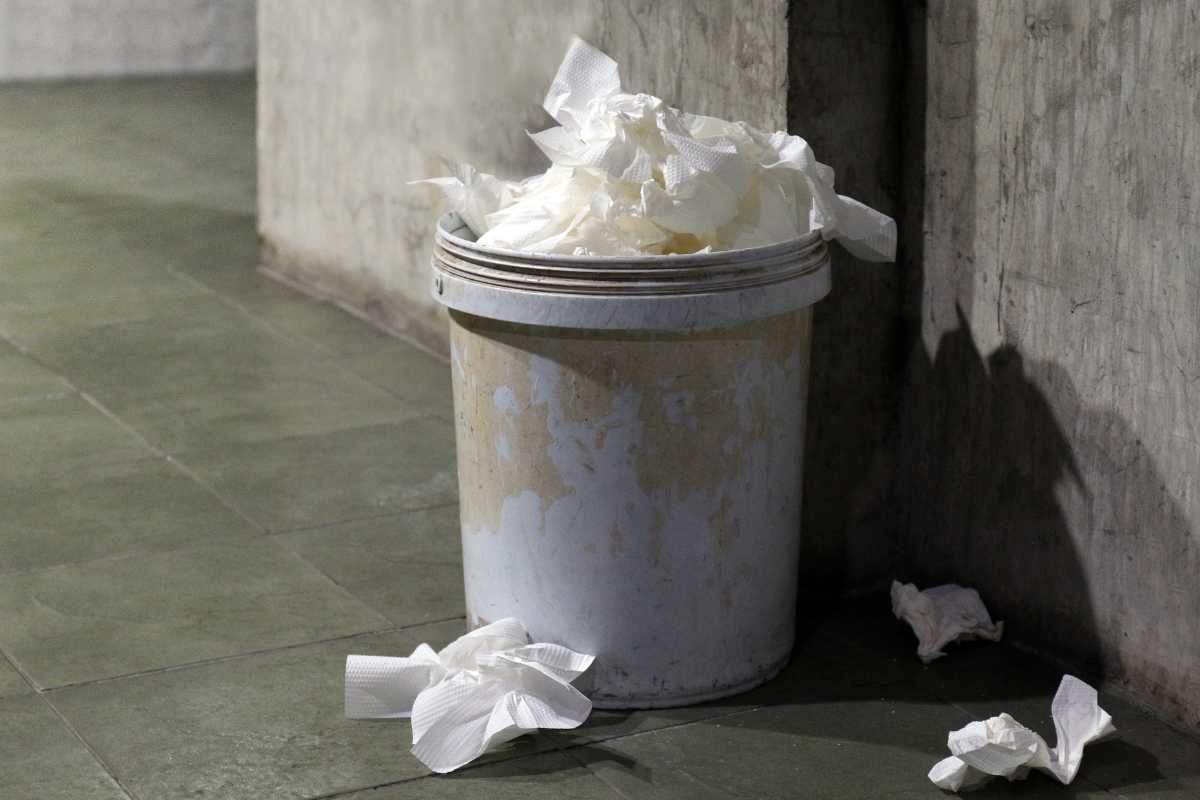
x,y
634,491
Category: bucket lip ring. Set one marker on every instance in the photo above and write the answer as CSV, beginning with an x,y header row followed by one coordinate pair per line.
x,y
450,222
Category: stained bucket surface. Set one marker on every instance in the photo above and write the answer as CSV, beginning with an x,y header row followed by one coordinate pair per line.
x,y
630,437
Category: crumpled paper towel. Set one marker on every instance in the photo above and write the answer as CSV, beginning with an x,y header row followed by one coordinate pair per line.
x,y
633,176
484,688
942,615
1003,746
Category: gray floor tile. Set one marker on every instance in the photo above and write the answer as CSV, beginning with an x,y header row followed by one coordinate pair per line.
x,y
53,436
40,759
550,776
165,139
116,616
103,510
407,566
262,727
336,477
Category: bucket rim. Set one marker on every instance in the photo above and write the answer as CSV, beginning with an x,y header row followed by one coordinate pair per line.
x,y
450,224
693,291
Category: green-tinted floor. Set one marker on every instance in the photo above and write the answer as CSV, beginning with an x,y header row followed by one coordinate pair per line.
x,y
214,488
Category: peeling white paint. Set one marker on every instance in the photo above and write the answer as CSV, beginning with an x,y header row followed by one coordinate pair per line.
x,y
635,553
505,400
677,408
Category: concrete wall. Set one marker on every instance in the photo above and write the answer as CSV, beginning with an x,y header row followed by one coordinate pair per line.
x,y
1051,449
844,89
357,97
84,38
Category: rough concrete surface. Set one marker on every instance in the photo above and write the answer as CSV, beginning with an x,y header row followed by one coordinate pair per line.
x,y
81,38
1051,450
356,98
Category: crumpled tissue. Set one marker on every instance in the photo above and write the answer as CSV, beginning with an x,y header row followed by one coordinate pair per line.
x,y
942,615
484,688
1003,746
632,176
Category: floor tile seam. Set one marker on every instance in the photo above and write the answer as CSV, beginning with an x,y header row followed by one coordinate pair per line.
x,y
20,670
183,468
323,525
566,746
187,547
345,590
616,790
205,662
144,441
384,387
33,399
342,793
323,355
92,751
23,348
229,301
67,467
491,762
185,453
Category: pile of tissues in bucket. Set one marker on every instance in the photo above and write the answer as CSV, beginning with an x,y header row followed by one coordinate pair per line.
x,y
633,176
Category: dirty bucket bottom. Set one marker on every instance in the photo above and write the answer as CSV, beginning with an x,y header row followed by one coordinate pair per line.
x,y
658,701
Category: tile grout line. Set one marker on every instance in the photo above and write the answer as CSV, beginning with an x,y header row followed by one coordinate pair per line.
x,y
323,525
255,319
264,531
204,662
136,434
323,354
182,468
565,750
409,341
17,668
104,765
610,786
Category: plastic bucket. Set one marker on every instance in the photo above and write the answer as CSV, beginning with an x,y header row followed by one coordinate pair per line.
x,y
630,450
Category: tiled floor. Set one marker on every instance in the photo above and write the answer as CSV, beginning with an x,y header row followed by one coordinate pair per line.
x,y
214,488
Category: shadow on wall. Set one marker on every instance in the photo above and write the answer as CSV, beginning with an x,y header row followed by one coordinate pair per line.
x,y
998,498
988,461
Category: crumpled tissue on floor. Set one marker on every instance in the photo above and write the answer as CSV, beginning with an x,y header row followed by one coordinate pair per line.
x,y
633,176
484,688
942,615
1001,746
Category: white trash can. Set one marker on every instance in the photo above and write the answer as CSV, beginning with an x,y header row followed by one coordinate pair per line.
x,y
630,448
